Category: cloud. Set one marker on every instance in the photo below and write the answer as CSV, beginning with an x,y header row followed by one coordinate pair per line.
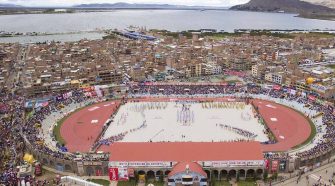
x,y
222,3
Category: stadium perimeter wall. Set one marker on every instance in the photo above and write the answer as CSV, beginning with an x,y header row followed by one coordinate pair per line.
x,y
90,168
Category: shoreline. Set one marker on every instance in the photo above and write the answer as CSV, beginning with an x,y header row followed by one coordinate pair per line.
x,y
107,32
304,16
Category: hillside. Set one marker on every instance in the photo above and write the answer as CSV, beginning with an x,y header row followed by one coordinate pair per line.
x,y
291,6
327,3
140,6
6,5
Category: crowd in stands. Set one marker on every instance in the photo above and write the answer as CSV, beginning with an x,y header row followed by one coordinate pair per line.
x,y
184,89
16,124
328,141
17,129
11,142
30,128
32,180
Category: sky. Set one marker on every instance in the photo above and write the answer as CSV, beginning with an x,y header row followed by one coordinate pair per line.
x,y
221,3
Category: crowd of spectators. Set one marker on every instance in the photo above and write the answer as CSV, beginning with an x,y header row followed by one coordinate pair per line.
x,y
327,141
32,126
18,129
184,89
11,143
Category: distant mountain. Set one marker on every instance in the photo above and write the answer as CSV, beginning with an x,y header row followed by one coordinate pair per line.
x,y
327,3
6,5
291,6
142,6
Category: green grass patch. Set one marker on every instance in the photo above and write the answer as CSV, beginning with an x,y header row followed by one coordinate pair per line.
x,y
30,114
331,66
316,34
100,181
246,183
220,183
56,131
220,35
126,183
155,183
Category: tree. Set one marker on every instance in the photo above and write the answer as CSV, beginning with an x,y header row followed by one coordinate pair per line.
x,y
265,175
136,177
275,176
161,178
213,182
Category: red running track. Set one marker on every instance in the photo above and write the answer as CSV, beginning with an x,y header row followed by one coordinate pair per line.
x,y
290,129
78,130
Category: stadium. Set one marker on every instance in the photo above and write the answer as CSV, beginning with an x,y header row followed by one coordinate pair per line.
x,y
185,133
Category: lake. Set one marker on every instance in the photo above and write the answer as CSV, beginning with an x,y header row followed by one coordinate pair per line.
x,y
173,20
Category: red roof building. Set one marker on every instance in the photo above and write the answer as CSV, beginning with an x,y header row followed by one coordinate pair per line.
x,y
184,151
186,162
192,166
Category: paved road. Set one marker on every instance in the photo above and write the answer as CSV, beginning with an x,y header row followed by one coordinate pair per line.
x,y
15,73
321,176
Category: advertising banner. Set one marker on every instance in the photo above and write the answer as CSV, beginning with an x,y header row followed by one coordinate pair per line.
x,y
123,174
312,98
59,98
303,94
267,164
38,170
67,95
41,104
88,89
141,164
29,104
274,165
237,163
276,87
131,173
282,165
291,164
113,174
318,88
186,83
98,172
98,91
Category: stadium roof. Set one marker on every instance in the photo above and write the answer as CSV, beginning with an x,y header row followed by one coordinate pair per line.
x,y
184,151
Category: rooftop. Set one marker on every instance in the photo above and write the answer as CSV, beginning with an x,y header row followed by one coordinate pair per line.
x,y
184,151
193,167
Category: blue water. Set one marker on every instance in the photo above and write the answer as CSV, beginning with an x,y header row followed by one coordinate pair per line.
x,y
174,20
